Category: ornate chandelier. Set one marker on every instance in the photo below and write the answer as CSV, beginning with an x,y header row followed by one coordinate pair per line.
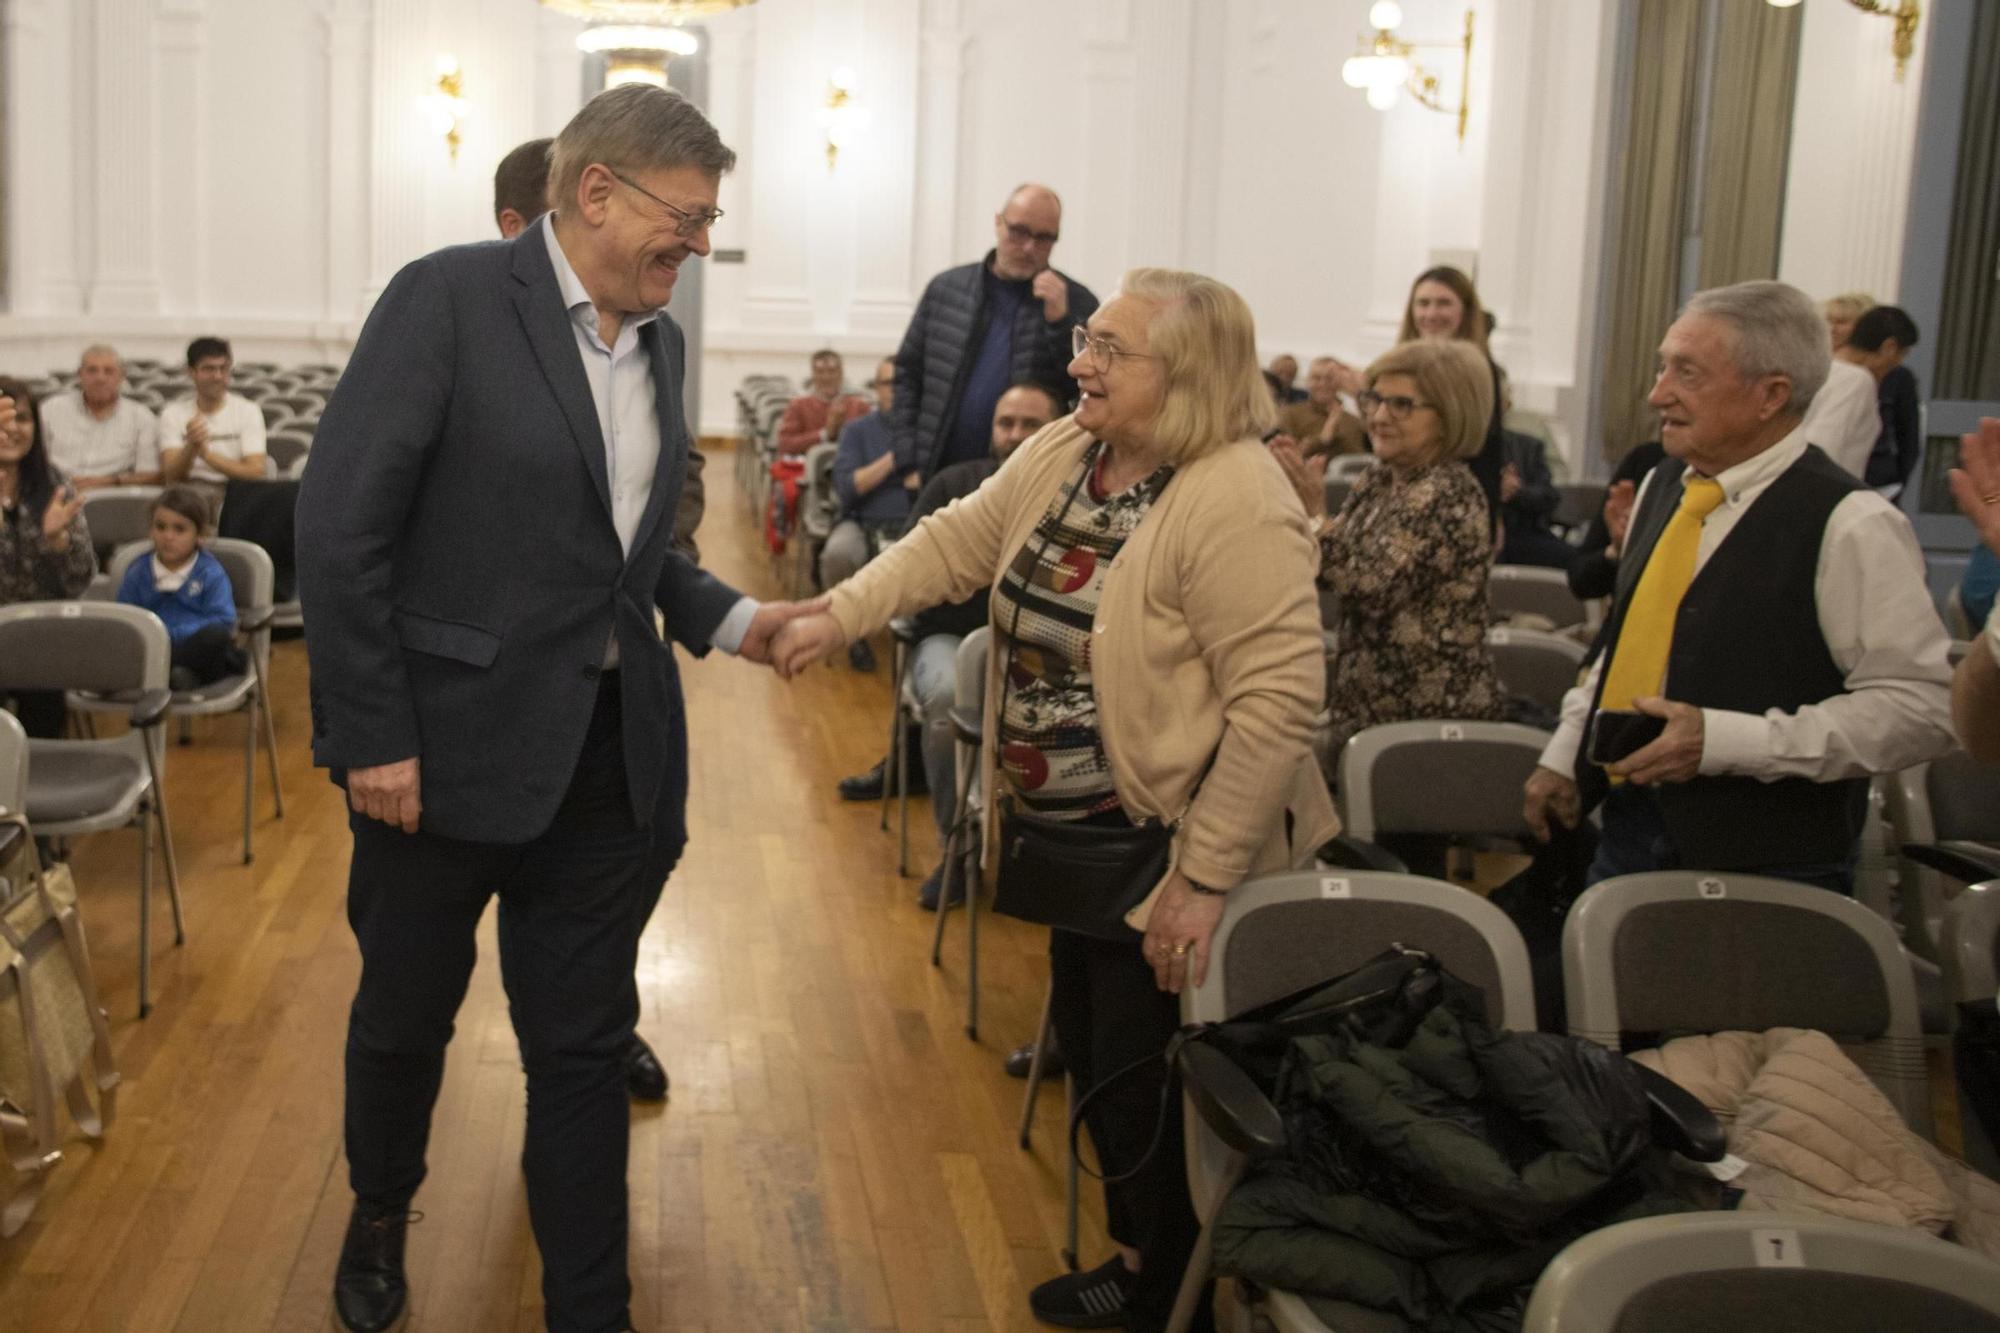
x,y
637,36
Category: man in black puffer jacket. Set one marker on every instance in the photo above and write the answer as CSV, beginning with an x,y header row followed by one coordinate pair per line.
x,y
981,327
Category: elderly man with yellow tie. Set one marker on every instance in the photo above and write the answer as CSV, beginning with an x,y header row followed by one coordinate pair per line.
x,y
1772,641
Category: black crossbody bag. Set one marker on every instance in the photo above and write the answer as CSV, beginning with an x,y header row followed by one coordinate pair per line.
x,y
1064,873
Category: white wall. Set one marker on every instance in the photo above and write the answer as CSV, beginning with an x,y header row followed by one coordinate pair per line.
x,y
260,167
1853,147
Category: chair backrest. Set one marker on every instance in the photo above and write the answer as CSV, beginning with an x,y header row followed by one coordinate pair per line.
x,y
1458,778
1337,491
1283,933
103,647
1349,467
248,565
1535,665
1684,951
13,765
1777,1272
288,447
116,515
1964,799
1577,502
970,665
1971,953
1532,590
1952,799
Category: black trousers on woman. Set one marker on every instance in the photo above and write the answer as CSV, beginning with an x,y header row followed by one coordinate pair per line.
x,y
1108,1013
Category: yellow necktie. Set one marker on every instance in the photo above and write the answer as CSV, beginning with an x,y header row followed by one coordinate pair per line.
x,y
1638,667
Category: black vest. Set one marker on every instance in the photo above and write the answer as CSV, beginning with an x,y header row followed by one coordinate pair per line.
x,y
1747,639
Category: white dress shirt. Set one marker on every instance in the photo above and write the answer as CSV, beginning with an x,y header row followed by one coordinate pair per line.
x,y
83,445
1845,417
621,388
1880,626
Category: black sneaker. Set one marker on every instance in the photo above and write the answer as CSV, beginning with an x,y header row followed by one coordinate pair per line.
x,y
933,889
1085,1300
860,656
866,786
1022,1059
370,1294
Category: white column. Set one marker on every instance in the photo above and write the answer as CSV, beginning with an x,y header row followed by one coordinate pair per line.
x,y
1854,126
41,106
401,147
176,144
882,172
939,105
125,278
344,28
1098,222
783,164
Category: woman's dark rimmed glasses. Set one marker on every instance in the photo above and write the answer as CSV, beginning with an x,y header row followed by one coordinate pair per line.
x,y
689,225
1400,405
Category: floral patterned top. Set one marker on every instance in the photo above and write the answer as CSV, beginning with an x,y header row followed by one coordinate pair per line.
x,y
1051,752
29,570
1408,559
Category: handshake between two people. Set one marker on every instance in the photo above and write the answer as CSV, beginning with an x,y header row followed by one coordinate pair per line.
x,y
788,637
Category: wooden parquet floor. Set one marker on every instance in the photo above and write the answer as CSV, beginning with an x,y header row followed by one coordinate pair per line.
x,y
836,1154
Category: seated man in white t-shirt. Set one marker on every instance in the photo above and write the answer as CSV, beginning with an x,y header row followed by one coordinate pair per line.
x,y
97,436
218,437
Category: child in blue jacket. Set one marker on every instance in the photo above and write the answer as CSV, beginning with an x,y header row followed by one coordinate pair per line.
x,y
187,588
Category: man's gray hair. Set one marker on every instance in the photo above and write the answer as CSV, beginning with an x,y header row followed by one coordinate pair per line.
x,y
1779,331
101,349
634,127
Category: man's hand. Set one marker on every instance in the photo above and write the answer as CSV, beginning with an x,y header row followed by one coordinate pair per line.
x,y
804,641
1618,503
913,482
1549,793
764,626
1675,756
1975,482
1053,293
196,434
1510,483
391,793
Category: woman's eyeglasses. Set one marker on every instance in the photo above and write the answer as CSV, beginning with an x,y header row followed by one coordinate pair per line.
x,y
1400,405
1099,350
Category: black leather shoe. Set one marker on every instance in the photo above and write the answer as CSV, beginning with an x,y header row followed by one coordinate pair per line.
x,y
865,786
645,1076
860,656
1022,1058
370,1294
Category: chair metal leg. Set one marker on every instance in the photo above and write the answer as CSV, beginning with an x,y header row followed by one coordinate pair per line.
x,y
950,877
889,761
971,874
249,774
270,739
902,793
1036,1064
145,913
159,798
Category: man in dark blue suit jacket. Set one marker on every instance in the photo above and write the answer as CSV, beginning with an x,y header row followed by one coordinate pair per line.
x,y
484,534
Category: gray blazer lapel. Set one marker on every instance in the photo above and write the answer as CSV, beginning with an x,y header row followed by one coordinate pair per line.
x,y
672,464
538,299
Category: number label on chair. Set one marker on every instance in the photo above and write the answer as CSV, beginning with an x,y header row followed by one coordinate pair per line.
x,y
1777,1248
1451,731
1711,888
71,610
1335,886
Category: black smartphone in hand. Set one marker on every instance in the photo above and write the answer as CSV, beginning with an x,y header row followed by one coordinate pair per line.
x,y
1616,734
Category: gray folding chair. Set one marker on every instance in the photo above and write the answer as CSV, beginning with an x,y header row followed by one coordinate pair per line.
x,y
274,411
1535,665
1971,962
962,844
1774,1272
1282,933
251,581
902,716
287,449
819,510
117,515
1456,779
1677,952
1350,468
1577,502
1337,491
1532,591
88,786
1944,818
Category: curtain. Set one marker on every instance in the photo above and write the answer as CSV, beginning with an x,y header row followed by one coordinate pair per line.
x,y
1748,143
1654,178
1968,335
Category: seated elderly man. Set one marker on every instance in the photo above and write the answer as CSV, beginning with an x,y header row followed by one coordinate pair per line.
x,y
1771,641
96,435
874,502
1319,423
1023,409
817,416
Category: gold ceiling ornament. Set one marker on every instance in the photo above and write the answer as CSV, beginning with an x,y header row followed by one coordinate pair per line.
x,y
1906,14
662,12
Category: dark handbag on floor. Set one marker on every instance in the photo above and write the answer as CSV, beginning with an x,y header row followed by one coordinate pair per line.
x,y
1078,876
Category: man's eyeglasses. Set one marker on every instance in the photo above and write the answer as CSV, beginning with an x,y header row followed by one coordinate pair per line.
x,y
1021,235
687,225
1099,350
1400,405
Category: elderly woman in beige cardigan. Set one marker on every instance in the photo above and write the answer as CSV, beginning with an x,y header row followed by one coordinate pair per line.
x,y
1151,581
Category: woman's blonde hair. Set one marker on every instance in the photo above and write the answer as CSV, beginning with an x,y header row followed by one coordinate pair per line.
x,y
1207,344
1453,377
1851,305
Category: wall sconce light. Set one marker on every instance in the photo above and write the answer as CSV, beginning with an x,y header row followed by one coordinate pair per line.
x,y
1383,66
841,116
636,52
1906,13
447,103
